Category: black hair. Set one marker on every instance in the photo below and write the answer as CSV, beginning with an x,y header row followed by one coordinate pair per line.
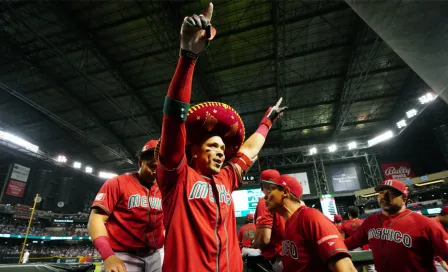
x,y
148,155
353,211
291,195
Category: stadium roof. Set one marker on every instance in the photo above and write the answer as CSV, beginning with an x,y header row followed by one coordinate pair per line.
x,y
88,78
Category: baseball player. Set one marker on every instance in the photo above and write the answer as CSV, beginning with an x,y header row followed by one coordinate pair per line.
x,y
311,241
350,226
442,219
198,178
246,236
338,223
26,255
270,227
126,219
400,239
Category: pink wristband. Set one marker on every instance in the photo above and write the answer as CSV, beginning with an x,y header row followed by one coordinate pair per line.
x,y
263,129
101,243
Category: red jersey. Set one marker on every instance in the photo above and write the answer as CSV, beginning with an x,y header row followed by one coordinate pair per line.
x,y
265,219
339,228
200,219
406,242
310,241
135,213
246,235
349,227
438,259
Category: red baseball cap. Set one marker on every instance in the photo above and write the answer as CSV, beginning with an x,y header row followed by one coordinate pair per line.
x,y
393,184
444,210
269,174
289,182
150,145
250,216
337,217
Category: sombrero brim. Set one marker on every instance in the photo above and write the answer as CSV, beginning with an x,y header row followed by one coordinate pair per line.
x,y
214,118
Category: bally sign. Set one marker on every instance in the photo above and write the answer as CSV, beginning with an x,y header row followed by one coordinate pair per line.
x,y
397,170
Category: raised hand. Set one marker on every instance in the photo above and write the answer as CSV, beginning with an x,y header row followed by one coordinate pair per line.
x,y
274,113
197,31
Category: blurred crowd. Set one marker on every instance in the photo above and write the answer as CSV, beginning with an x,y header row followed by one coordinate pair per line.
x,y
46,249
9,225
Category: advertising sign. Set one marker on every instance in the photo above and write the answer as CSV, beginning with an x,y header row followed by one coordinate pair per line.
x,y
397,170
245,201
344,177
303,179
20,173
15,188
328,205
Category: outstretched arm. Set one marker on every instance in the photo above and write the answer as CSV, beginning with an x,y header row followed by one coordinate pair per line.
x,y
252,146
194,35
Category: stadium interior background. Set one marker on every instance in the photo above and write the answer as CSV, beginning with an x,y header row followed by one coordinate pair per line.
x,y
82,85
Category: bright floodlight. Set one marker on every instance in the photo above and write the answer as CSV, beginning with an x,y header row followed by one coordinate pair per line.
x,y
107,175
411,113
427,98
61,158
381,138
352,145
332,148
18,141
89,169
401,124
77,165
313,151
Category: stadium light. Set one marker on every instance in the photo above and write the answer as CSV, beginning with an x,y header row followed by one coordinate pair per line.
x,y
18,141
107,175
381,138
77,165
428,97
411,113
313,151
89,169
61,158
352,145
401,124
332,148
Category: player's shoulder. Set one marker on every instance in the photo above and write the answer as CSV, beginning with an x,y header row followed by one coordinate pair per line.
x,y
116,180
262,201
311,214
372,218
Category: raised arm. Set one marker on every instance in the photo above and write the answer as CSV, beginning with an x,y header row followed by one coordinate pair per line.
x,y
253,145
195,33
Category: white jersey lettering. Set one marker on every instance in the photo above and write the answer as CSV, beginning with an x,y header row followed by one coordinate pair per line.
x,y
390,235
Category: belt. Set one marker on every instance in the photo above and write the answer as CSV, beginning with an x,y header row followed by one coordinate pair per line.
x,y
141,252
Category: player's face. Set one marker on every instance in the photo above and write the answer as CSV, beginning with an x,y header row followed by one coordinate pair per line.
x,y
209,158
274,198
147,171
265,188
390,201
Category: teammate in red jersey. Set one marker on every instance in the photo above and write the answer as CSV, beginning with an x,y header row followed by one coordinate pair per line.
x,y
126,221
197,179
338,223
442,219
400,239
311,242
270,227
246,236
350,226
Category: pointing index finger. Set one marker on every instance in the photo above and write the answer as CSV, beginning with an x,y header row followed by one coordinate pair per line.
x,y
279,102
209,12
